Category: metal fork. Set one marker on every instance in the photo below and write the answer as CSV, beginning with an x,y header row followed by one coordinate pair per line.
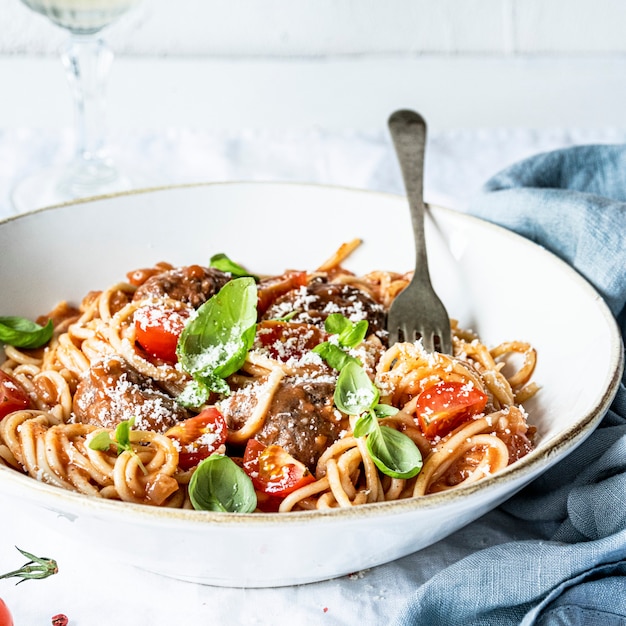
x,y
417,312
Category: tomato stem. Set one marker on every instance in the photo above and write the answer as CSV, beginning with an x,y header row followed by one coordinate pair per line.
x,y
37,567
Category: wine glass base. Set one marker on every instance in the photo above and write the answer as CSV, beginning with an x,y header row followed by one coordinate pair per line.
x,y
58,185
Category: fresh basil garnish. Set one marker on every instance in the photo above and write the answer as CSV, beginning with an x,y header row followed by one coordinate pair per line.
x,y
222,262
384,410
23,333
335,356
355,393
121,440
101,442
219,484
365,424
393,453
350,334
347,335
214,344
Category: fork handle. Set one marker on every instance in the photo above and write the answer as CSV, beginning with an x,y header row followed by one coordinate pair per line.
x,y
408,132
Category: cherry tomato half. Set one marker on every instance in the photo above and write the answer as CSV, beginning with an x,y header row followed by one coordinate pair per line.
x,y
13,397
157,330
273,470
445,405
272,288
199,436
286,340
5,615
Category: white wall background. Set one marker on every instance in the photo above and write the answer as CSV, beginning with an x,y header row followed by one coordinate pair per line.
x,y
316,28
338,63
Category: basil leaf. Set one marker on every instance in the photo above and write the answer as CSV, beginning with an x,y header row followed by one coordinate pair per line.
x,y
355,393
219,484
221,262
336,323
196,393
352,337
349,334
101,442
385,410
334,355
393,453
365,425
122,435
23,333
215,343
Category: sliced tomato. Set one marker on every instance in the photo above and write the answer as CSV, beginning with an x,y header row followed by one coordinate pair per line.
x,y
270,289
199,437
157,330
5,615
13,397
273,470
287,340
445,405
267,503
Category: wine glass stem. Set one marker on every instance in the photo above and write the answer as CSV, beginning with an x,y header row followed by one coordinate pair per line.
x,y
87,60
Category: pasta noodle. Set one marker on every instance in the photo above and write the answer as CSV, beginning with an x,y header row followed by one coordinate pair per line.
x,y
462,412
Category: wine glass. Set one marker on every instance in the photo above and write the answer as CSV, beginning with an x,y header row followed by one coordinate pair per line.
x,y
87,59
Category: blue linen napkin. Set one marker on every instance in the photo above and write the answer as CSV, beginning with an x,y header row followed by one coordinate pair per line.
x,y
572,202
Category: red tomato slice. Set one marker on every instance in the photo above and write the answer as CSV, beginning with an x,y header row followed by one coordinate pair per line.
x,y
273,470
13,397
157,330
445,405
267,503
5,615
199,436
271,289
287,340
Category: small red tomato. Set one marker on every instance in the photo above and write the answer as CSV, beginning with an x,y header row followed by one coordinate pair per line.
x,y
198,437
445,405
267,503
157,330
273,470
60,620
13,397
5,615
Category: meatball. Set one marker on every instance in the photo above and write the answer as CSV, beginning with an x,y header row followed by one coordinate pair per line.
x,y
113,391
301,417
313,303
192,284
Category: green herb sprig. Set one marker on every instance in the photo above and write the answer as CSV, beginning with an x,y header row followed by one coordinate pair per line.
x,y
219,484
121,440
346,335
394,453
37,567
24,333
222,262
215,343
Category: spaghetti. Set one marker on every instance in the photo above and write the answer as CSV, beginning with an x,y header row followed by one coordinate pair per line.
x,y
114,361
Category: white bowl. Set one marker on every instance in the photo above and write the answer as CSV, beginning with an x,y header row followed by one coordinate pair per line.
x,y
493,281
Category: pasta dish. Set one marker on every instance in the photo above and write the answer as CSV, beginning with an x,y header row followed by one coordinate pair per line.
x,y
215,389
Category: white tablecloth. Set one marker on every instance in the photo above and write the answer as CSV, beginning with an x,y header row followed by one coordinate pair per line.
x,y
457,162
91,588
